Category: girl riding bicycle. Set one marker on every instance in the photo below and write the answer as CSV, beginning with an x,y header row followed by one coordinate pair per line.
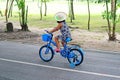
x,y
64,29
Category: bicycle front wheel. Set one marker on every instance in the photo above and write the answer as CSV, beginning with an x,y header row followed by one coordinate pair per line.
x,y
75,57
46,53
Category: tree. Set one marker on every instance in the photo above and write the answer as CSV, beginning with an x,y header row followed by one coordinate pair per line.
x,y
6,11
71,10
41,9
41,6
23,14
1,13
110,15
9,25
10,9
45,2
88,14
113,14
106,15
118,15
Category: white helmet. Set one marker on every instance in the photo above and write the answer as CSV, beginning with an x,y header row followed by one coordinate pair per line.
x,y
60,16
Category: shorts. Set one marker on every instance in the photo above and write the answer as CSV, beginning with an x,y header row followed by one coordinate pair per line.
x,y
61,38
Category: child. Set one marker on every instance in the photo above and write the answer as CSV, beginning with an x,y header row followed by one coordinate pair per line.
x,y
64,29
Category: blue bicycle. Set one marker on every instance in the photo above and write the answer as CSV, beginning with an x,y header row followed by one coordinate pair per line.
x,y
74,53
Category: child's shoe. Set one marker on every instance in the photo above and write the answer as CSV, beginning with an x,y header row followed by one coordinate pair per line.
x,y
57,50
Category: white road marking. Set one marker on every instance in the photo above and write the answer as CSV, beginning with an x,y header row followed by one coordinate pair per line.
x,y
58,68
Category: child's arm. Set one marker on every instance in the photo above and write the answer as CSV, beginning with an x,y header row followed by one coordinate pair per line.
x,y
56,28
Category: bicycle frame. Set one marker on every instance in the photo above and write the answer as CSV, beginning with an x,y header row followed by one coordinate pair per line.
x,y
51,41
54,43
65,47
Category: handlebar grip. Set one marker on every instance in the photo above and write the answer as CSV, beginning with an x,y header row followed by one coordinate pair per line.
x,y
48,32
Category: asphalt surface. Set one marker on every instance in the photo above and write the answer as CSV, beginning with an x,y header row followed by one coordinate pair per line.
x,y
21,62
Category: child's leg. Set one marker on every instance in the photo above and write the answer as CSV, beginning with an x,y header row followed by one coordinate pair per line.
x,y
57,43
63,43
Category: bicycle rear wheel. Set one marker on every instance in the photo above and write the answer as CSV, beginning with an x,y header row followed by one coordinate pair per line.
x,y
75,57
46,53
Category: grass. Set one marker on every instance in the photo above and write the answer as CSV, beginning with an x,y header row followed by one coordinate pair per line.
x,y
47,21
96,23
81,17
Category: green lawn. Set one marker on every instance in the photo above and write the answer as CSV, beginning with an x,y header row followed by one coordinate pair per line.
x,y
96,23
81,21
81,17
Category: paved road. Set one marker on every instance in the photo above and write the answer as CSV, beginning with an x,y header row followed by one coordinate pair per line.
x,y
21,62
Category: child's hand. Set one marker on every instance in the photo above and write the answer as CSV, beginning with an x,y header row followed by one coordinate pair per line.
x,y
47,31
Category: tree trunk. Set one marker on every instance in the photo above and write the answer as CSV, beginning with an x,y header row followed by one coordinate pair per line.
x,y
113,13
1,13
108,21
24,27
45,8
23,14
72,10
6,11
41,10
10,10
69,7
9,27
23,19
88,15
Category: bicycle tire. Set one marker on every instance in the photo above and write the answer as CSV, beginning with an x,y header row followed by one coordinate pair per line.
x,y
75,60
48,55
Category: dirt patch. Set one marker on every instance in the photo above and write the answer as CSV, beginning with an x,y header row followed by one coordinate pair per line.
x,y
86,39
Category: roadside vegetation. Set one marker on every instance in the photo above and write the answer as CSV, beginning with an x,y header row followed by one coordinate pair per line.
x,y
41,14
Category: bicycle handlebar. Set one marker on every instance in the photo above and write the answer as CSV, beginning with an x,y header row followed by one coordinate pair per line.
x,y
48,32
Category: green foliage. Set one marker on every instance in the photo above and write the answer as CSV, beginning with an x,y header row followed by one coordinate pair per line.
x,y
44,0
99,1
118,1
21,4
118,6
106,15
23,14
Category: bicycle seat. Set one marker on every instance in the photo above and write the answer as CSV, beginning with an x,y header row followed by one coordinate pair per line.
x,y
68,39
